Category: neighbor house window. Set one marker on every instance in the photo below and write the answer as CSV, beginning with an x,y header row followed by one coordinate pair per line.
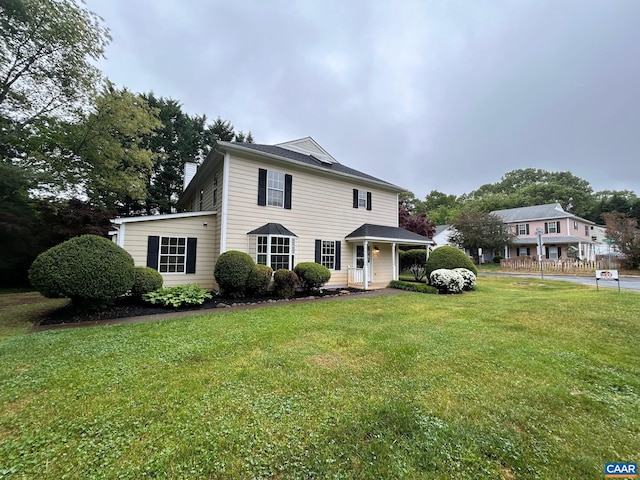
x,y
586,230
275,251
552,227
522,229
553,253
275,189
524,251
173,255
575,225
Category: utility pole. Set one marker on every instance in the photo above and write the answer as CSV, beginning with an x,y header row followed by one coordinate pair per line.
x,y
539,233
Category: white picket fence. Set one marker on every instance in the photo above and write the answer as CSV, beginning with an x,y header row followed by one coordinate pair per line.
x,y
531,264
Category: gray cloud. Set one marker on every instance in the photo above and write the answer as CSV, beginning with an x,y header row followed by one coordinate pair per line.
x,y
429,94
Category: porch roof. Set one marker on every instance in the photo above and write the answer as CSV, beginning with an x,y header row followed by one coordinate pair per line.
x,y
550,240
386,234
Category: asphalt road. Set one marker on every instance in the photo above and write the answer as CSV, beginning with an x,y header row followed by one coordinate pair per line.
x,y
627,282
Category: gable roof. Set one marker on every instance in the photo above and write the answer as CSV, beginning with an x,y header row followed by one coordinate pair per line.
x,y
308,153
535,212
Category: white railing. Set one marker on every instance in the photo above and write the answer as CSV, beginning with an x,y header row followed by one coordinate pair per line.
x,y
356,276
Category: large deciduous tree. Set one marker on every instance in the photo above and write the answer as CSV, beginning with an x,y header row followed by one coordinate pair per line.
x,y
624,230
473,229
47,50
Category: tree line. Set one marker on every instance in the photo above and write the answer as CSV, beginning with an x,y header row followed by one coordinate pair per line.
x,y
75,150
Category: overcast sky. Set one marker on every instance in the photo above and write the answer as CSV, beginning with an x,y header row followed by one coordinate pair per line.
x,y
429,95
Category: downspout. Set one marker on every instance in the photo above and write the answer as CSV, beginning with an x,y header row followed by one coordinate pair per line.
x,y
224,213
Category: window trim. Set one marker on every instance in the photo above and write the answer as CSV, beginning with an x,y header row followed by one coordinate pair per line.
x,y
279,188
168,255
268,254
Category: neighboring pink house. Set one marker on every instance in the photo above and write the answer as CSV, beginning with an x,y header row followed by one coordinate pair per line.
x,y
564,235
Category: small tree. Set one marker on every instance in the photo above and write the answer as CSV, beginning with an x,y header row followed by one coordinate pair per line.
x,y
473,230
415,261
90,270
624,231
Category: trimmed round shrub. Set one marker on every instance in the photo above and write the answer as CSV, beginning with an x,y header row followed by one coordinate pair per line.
x,y
312,275
232,271
468,276
285,283
145,280
89,270
497,258
449,257
447,281
259,279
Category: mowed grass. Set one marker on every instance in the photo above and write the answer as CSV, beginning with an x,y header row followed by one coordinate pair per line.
x,y
520,379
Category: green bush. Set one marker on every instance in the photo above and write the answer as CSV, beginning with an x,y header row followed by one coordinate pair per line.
x,y
232,272
178,296
145,280
259,279
312,275
449,257
285,283
412,287
497,258
90,270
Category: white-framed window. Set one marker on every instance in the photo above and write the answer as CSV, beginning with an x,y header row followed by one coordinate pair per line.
x,y
275,251
173,255
575,225
551,227
523,251
522,229
586,230
362,199
275,189
328,258
554,253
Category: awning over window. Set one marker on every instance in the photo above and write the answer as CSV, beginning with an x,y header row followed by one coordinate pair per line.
x,y
272,229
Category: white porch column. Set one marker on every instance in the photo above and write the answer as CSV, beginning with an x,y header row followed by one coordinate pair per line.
x,y
394,273
365,267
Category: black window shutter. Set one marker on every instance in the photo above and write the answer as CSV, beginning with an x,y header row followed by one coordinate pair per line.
x,y
153,248
517,252
546,252
191,254
546,227
559,252
368,200
355,198
288,179
318,258
262,186
527,229
336,265
558,227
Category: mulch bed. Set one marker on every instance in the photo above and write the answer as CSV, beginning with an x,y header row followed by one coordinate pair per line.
x,y
125,307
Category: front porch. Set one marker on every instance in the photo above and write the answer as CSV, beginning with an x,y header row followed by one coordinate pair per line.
x,y
375,254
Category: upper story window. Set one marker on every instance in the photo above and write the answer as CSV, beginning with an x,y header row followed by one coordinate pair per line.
x,y
552,227
274,188
575,225
522,229
586,230
361,199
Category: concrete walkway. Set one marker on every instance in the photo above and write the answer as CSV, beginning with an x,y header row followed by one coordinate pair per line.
x,y
210,311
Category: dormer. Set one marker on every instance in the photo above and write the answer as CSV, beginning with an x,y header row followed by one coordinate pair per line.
x,y
308,146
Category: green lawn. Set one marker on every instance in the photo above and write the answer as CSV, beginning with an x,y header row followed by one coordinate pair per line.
x,y
520,379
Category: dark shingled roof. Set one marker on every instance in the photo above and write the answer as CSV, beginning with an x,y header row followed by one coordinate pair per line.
x,y
272,229
310,160
383,232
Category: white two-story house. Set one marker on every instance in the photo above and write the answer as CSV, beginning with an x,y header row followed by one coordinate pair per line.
x,y
282,204
564,235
